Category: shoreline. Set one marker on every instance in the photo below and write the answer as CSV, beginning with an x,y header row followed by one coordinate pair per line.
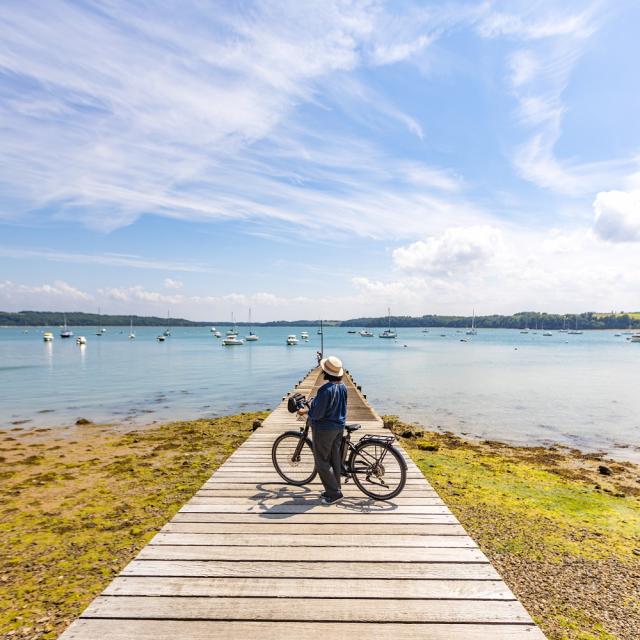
x,y
618,452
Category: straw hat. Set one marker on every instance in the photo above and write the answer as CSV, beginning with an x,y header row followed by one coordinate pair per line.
x,y
332,366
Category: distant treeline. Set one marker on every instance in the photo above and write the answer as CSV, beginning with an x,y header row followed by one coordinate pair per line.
x,y
525,319
522,320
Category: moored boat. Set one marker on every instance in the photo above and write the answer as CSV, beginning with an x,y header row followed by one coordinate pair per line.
x,y
47,336
81,340
292,340
388,332
66,332
232,340
252,337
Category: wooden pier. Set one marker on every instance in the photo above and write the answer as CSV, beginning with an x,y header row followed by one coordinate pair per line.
x,y
251,558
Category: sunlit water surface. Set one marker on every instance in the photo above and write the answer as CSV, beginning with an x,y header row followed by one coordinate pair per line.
x,y
580,390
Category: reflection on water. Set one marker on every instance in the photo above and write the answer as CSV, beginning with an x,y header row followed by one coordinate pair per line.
x,y
498,384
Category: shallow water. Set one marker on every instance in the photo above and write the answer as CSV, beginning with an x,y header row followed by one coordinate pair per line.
x,y
580,390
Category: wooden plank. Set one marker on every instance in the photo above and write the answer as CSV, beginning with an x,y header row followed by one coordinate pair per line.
x,y
299,609
364,530
282,539
306,569
87,629
317,517
293,587
314,554
313,500
356,507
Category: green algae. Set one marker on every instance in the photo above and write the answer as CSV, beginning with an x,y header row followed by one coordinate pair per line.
x,y
67,530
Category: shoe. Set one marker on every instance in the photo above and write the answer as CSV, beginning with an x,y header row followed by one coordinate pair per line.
x,y
327,500
324,495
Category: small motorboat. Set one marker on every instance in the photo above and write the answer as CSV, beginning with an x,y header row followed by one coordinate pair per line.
x,y
47,336
352,331
304,335
81,340
547,333
635,337
365,333
217,334
232,340
161,338
291,340
213,330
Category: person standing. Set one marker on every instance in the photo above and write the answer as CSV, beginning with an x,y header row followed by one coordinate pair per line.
x,y
328,414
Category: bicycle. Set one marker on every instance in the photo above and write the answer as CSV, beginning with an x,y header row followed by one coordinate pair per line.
x,y
375,465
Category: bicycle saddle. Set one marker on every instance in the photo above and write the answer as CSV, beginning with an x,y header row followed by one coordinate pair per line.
x,y
352,427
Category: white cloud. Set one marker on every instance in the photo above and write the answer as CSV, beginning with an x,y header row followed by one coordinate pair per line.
x,y
38,296
535,20
109,259
169,283
458,248
617,216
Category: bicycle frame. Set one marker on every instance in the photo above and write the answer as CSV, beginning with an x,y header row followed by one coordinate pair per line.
x,y
347,448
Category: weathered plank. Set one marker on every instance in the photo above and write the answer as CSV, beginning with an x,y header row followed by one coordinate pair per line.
x,y
292,587
364,530
320,554
320,570
266,630
282,539
299,609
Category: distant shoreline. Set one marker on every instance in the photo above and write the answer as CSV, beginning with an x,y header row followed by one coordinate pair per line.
x,y
522,320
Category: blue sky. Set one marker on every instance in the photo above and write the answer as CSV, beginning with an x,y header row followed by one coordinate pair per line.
x,y
319,159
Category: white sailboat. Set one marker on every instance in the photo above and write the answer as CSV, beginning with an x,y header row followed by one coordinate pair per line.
x,y
232,331
388,332
101,329
167,331
575,332
472,331
132,335
564,325
252,337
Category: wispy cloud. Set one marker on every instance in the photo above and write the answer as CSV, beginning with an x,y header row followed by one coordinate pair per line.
x,y
108,259
184,117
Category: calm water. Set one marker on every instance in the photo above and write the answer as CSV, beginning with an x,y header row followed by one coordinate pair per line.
x,y
580,390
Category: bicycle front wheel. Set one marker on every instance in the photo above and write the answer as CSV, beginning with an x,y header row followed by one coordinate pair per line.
x,y
293,459
378,469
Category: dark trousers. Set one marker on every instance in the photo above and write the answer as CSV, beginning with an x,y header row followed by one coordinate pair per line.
x,y
326,450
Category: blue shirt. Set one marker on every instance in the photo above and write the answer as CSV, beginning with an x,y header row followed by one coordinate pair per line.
x,y
329,408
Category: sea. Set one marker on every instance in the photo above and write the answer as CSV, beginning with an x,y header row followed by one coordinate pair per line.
x,y
576,390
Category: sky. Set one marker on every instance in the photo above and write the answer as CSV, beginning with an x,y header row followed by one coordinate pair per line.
x,y
323,159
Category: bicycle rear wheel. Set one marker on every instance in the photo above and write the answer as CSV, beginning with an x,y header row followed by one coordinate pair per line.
x,y
292,456
378,469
